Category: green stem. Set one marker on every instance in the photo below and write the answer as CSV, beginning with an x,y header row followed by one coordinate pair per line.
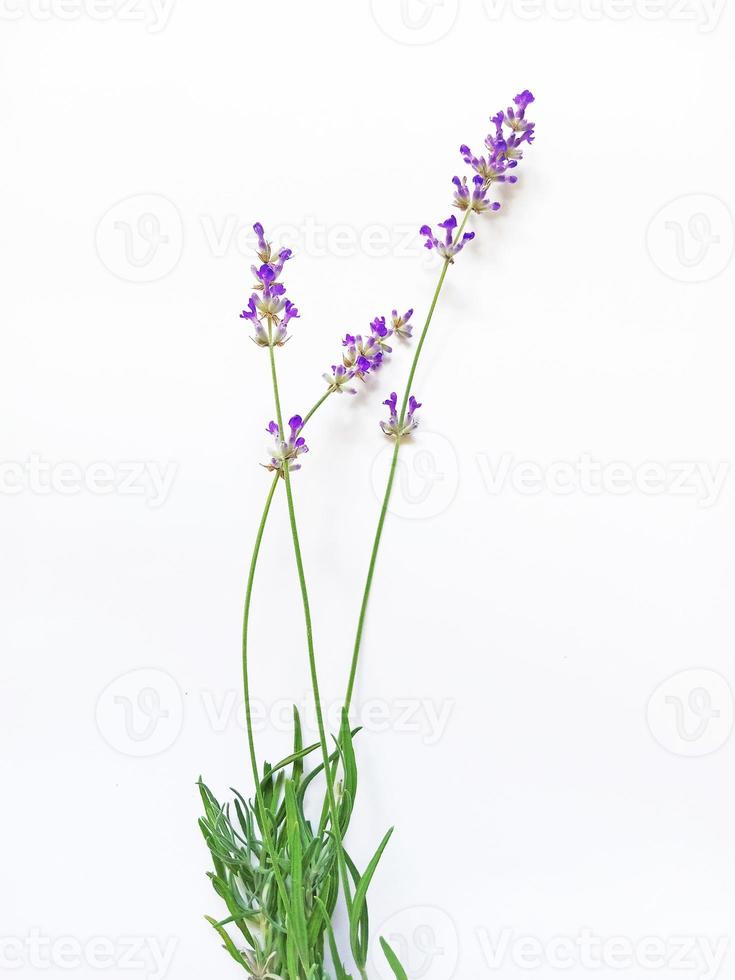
x,y
264,820
315,406
391,477
334,818
245,623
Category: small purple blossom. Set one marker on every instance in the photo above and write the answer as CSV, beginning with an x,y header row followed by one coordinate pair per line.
x,y
265,251
475,200
286,451
492,170
400,325
449,247
339,379
394,427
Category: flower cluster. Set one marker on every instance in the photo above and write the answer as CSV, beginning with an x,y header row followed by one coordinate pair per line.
x,y
449,247
286,450
268,309
504,150
364,354
475,200
394,427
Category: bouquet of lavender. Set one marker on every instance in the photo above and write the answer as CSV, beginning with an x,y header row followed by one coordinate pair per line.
x,y
281,866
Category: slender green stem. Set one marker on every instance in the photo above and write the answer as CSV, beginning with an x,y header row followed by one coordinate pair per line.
x,y
265,823
391,477
331,800
317,405
245,624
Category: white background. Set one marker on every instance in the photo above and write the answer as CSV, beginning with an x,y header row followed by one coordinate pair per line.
x,y
584,323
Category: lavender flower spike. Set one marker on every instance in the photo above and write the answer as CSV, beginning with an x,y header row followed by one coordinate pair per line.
x,y
393,427
448,248
504,151
286,451
268,309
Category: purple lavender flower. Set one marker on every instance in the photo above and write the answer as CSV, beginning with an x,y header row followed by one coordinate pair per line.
x,y
380,334
268,309
286,451
339,379
362,355
400,325
491,169
272,269
448,248
517,119
393,426
265,250
475,200
504,151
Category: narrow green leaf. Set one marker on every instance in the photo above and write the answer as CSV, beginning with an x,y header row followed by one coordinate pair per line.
x,y
291,954
359,932
393,961
336,960
228,943
297,912
348,755
298,745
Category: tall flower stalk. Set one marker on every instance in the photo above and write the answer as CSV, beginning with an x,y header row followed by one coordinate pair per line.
x,y
280,872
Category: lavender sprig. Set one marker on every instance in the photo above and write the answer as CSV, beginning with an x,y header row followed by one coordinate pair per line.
x,y
505,151
278,873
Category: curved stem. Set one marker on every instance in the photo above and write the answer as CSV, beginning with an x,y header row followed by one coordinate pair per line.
x,y
245,624
265,825
391,478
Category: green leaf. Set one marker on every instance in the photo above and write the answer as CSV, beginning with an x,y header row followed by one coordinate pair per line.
x,y
291,956
348,755
297,912
228,943
393,961
358,928
298,745
336,960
